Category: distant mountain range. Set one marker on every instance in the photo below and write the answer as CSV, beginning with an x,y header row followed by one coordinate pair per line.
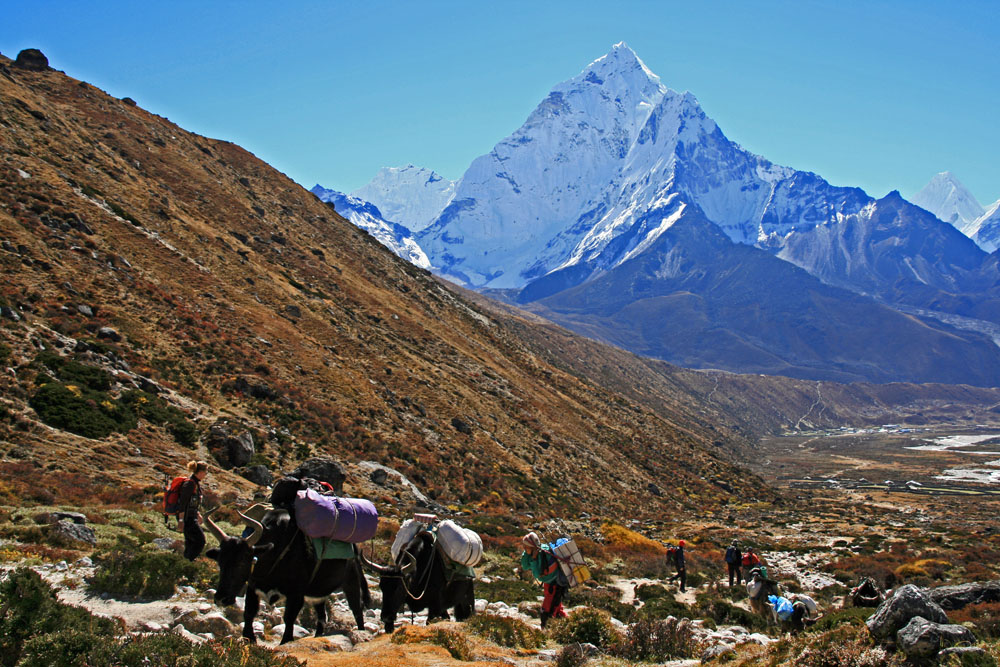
x,y
947,198
573,215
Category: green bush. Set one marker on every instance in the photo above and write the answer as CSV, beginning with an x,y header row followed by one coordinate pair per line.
x,y
506,631
571,655
127,569
657,641
648,592
75,373
31,609
510,591
851,616
36,630
607,599
586,626
91,414
662,607
155,410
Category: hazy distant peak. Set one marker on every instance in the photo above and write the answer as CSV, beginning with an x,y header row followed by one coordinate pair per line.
x,y
946,197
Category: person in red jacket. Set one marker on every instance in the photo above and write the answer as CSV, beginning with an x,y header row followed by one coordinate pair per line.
x,y
750,561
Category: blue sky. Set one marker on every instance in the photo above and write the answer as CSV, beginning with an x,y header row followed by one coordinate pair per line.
x,y
881,94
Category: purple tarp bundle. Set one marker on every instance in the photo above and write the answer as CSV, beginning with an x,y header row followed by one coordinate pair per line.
x,y
344,519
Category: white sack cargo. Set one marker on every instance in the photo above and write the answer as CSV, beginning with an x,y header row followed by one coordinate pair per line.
x,y
571,561
461,545
406,532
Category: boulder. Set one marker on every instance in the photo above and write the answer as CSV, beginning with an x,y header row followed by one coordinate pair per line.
x,y
85,310
719,650
322,469
893,614
921,638
461,425
109,334
213,622
956,597
258,474
10,313
32,60
74,532
231,444
378,476
56,517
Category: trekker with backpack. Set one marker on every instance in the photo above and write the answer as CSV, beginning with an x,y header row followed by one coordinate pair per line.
x,y
734,558
542,563
750,561
680,564
188,517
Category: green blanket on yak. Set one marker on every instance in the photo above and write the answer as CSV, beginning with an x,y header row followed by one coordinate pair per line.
x,y
327,548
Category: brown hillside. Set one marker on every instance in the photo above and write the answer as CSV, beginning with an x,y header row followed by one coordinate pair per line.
x,y
241,296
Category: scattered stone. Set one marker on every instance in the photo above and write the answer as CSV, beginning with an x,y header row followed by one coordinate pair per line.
x,y
717,651
921,638
258,474
86,310
129,101
322,469
461,426
32,60
190,636
55,517
293,311
339,643
10,313
164,543
955,597
896,612
298,632
75,532
62,566
84,562
109,334
231,445
378,476
654,490
213,622
23,174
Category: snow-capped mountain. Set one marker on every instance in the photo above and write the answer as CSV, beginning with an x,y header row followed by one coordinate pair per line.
x,y
599,152
367,216
949,200
986,230
412,196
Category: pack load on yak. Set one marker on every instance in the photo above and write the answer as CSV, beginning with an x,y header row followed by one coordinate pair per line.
x,y
571,561
460,546
342,519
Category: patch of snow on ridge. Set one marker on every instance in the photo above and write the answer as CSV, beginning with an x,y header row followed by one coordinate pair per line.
x,y
953,442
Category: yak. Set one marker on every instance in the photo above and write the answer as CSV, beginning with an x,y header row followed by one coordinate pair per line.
x,y
759,588
275,560
422,580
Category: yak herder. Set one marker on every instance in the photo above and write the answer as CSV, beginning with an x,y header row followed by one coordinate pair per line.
x,y
189,518
539,559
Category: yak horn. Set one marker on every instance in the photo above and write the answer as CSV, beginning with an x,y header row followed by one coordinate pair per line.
x,y
258,529
381,569
218,532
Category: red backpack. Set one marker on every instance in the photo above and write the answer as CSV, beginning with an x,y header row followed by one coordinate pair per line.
x,y
172,498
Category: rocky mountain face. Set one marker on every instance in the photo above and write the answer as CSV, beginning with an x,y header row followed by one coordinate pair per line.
x,y
368,217
409,194
158,283
696,299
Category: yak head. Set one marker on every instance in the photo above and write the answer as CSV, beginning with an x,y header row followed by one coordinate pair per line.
x,y
408,577
236,557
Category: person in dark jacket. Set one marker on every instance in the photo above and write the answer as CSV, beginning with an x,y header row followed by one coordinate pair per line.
x,y
539,560
734,558
680,565
188,504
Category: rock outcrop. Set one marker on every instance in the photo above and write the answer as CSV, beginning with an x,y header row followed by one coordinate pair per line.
x,y
896,612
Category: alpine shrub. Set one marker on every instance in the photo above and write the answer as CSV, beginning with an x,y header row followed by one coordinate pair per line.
x,y
92,414
128,570
657,641
571,655
586,626
31,609
506,631
451,640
